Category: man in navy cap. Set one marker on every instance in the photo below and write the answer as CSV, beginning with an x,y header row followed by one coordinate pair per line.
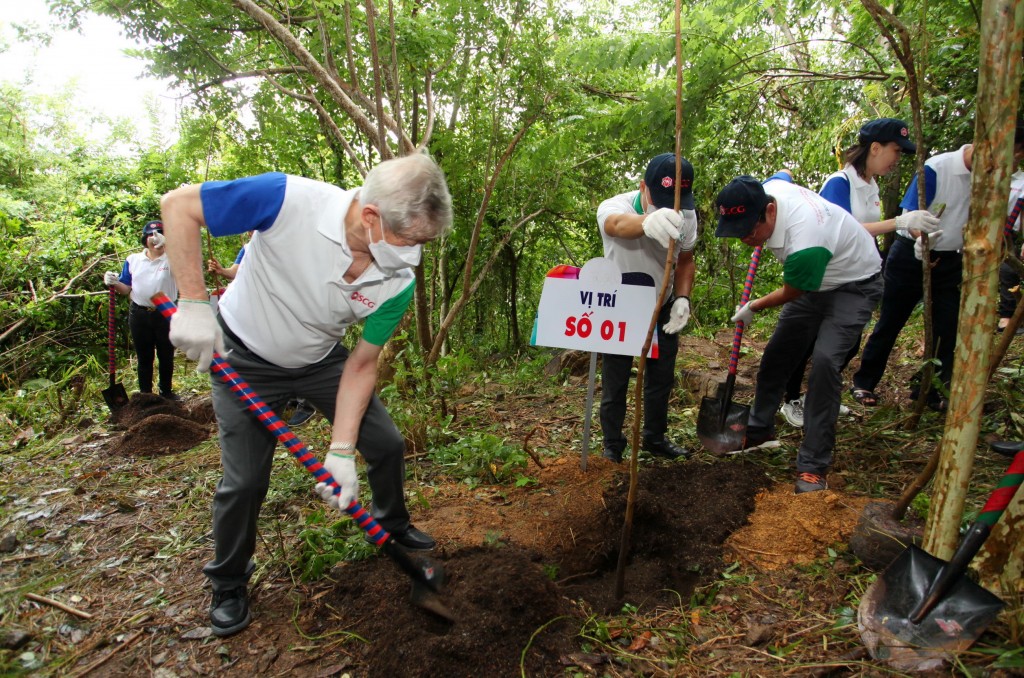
x,y
831,284
637,228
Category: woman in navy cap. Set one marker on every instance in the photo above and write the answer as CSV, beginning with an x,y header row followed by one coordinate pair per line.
x,y
144,274
881,144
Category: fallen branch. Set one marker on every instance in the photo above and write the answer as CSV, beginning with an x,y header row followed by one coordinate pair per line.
x,y
128,641
58,605
526,447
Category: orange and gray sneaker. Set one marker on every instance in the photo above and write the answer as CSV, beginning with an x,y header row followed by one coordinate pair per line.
x,y
810,482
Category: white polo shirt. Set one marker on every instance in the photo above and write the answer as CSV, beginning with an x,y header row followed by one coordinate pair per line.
x,y
948,182
860,198
148,276
289,303
820,244
637,255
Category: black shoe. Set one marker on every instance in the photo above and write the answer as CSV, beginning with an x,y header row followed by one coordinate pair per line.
x,y
170,395
229,611
303,412
666,449
412,539
612,455
756,437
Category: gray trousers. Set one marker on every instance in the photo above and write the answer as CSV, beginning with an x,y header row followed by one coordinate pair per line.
x,y
836,318
247,453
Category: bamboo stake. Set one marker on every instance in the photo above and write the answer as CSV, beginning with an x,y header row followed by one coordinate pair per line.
x,y
638,386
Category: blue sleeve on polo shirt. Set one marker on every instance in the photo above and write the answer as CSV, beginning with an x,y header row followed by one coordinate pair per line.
x,y
248,204
240,255
909,202
126,275
837,191
781,176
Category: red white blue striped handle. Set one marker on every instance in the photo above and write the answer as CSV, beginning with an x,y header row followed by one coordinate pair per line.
x,y
275,425
737,335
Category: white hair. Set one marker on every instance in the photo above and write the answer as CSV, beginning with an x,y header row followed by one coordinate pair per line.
x,y
412,196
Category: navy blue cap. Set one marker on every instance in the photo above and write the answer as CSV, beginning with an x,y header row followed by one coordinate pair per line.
x,y
150,228
884,130
740,205
660,180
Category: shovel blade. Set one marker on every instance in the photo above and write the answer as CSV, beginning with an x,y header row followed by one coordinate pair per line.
x,y
716,437
951,626
115,396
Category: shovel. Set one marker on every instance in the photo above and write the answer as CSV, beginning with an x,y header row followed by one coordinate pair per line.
x,y
721,423
922,609
114,395
427,576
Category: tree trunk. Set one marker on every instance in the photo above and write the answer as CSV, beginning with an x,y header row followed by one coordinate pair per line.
x,y
1002,29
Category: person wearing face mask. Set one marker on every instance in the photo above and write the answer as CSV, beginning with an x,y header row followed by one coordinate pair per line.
x,y
881,143
637,228
321,259
144,274
948,183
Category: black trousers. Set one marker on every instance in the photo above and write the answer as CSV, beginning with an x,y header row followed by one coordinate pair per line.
x,y
150,332
1008,279
903,290
659,378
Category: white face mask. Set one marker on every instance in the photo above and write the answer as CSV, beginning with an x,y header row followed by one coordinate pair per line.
x,y
391,258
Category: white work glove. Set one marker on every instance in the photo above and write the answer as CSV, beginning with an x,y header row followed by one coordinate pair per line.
x,y
342,467
918,220
933,240
678,317
663,225
110,278
744,314
195,331
157,240
688,232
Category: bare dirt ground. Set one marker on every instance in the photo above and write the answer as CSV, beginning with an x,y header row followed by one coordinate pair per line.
x,y
727,572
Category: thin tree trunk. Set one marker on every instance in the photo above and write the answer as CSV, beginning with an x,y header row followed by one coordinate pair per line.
x,y
1002,29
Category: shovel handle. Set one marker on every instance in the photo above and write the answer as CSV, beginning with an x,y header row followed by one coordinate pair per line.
x,y
972,542
737,335
1003,494
284,435
1011,219
111,332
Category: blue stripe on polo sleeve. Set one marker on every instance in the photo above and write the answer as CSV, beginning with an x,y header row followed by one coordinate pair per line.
x,y
909,202
837,191
247,204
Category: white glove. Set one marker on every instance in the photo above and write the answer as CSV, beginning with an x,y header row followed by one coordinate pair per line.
x,y
744,314
678,317
918,220
157,240
663,225
110,278
195,331
933,240
342,468
688,232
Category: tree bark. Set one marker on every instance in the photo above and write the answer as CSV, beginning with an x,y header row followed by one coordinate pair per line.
x,y
999,75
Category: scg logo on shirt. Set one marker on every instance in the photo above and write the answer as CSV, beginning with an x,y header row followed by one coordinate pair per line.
x,y
363,300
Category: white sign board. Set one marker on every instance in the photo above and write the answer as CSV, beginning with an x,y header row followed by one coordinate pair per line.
x,y
595,312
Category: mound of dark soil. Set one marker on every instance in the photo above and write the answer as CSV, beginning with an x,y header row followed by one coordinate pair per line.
x,y
160,434
500,596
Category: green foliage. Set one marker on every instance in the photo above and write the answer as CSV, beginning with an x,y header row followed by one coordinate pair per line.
x,y
481,457
324,542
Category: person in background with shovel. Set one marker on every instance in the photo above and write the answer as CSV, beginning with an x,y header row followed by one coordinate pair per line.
x,y
144,274
831,285
321,259
637,228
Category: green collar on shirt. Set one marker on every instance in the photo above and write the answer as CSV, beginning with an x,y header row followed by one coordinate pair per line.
x,y
636,204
